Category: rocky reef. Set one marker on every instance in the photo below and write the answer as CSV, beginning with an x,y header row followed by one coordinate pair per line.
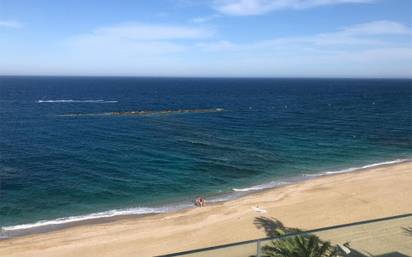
x,y
145,113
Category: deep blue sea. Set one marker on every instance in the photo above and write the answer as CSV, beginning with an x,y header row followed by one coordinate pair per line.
x,y
217,138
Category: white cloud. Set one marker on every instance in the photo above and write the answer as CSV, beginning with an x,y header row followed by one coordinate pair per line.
x,y
383,27
368,49
378,48
10,24
257,7
133,43
138,31
217,46
360,35
135,38
203,19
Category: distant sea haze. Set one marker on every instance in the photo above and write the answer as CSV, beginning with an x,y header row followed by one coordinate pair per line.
x,y
163,142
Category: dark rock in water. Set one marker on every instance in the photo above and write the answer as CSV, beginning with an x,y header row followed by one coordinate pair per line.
x,y
142,113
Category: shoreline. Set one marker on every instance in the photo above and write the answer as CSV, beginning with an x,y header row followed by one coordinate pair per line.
x,y
46,226
318,202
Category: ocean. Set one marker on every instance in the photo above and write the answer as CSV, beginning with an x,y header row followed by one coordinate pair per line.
x,y
87,148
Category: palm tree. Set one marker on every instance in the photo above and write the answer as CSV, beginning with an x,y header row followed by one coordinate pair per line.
x,y
300,246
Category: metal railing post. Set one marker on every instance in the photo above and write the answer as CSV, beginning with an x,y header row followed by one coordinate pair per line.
x,y
258,248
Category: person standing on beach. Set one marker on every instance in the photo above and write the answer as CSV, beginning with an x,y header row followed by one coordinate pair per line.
x,y
200,202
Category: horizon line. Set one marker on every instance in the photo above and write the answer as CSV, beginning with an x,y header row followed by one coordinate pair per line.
x,y
201,77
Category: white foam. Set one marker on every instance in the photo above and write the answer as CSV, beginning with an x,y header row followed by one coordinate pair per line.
x,y
260,187
75,101
98,215
325,173
148,210
365,167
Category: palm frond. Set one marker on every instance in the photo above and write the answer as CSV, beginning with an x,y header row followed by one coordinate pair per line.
x,y
300,246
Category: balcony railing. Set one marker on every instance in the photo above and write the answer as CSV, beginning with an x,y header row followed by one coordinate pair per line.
x,y
384,237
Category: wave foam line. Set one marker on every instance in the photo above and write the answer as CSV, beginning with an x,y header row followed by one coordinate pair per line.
x,y
273,184
365,167
147,210
357,168
92,216
261,187
75,101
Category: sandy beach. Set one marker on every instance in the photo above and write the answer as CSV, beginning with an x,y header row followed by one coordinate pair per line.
x,y
323,201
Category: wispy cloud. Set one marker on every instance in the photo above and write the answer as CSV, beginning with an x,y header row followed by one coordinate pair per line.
x,y
381,46
10,24
377,48
219,46
133,42
139,38
208,18
139,31
382,27
359,35
257,7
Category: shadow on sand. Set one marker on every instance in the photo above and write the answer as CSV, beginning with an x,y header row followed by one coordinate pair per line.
x,y
273,228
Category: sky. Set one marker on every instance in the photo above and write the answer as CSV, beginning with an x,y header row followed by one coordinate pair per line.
x,y
207,38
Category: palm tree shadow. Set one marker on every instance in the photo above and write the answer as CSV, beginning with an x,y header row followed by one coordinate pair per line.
x,y
273,227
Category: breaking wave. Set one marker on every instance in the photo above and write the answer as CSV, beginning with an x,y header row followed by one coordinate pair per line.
x,y
359,168
273,184
261,187
98,215
45,225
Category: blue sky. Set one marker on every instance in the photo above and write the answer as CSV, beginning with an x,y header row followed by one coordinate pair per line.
x,y
234,38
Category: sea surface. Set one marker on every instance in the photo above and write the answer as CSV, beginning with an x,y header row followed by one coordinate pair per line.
x,y
84,148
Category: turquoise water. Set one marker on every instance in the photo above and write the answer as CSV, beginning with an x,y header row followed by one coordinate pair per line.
x,y
212,137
